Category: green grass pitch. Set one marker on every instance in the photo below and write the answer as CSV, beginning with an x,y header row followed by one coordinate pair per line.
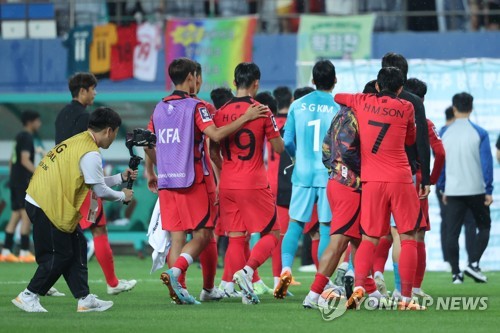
x,y
148,308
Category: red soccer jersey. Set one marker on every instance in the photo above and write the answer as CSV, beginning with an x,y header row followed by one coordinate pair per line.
x,y
273,158
438,150
386,125
202,121
243,165
122,53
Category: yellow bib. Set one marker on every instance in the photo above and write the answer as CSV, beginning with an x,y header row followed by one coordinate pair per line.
x,y
58,186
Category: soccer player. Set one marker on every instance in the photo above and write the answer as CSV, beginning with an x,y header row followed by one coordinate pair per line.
x,y
386,125
308,121
467,183
419,153
71,120
247,204
220,96
179,122
21,169
301,92
71,168
419,88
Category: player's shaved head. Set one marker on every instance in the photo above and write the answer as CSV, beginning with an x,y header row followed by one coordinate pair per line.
x,y
245,74
390,79
180,68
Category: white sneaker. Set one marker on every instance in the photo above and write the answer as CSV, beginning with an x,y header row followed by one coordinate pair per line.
x,y
308,303
54,293
92,304
396,295
214,294
244,281
28,302
123,285
418,292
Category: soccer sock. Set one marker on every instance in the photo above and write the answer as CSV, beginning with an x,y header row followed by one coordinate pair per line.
x,y
9,242
276,259
314,251
25,242
236,254
104,256
290,244
208,261
182,280
370,285
262,250
227,274
363,262
319,283
254,238
181,264
421,263
255,274
397,278
407,265
381,255
324,239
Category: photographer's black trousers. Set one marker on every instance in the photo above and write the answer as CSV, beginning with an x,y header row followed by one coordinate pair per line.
x,y
57,253
455,212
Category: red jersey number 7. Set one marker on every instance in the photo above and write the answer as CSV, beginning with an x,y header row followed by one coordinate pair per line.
x,y
380,137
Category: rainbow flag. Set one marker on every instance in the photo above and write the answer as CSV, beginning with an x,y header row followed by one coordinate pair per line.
x,y
217,44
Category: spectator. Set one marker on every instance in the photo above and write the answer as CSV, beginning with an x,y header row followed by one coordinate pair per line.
x,y
467,183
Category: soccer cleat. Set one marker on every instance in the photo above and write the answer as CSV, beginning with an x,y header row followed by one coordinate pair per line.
x,y
54,293
396,295
309,303
341,270
458,278
418,292
178,295
214,294
28,302
123,285
355,299
281,289
294,282
260,288
411,306
242,279
348,284
9,258
381,287
93,304
29,258
475,273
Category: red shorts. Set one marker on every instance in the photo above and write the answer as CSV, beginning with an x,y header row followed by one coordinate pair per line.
x,y
313,225
345,203
88,214
252,210
186,209
426,223
284,219
380,199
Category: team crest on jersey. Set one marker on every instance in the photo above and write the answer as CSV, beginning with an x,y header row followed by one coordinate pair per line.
x,y
273,120
436,132
205,115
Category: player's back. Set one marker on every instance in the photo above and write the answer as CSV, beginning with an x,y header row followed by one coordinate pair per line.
x,y
386,124
243,162
311,117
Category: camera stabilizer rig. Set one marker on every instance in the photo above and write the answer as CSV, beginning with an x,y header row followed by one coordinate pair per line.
x,y
138,138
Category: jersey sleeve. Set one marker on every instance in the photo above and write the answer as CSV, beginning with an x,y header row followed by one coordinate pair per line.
x,y
411,132
211,109
271,128
438,150
202,117
348,100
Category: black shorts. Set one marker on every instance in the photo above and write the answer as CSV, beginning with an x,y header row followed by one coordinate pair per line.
x,y
17,197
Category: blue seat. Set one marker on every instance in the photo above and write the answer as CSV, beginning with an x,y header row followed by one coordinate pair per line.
x,y
12,11
41,11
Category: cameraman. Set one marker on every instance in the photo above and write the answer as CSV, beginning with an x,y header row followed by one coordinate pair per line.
x,y
54,196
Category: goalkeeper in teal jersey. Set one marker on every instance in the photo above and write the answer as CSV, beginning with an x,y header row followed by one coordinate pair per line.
x,y
308,121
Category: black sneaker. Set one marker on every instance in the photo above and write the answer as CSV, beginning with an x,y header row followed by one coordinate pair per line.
x,y
475,273
458,278
348,284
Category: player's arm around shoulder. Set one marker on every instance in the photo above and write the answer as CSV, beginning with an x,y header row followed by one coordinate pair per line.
x,y
346,99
